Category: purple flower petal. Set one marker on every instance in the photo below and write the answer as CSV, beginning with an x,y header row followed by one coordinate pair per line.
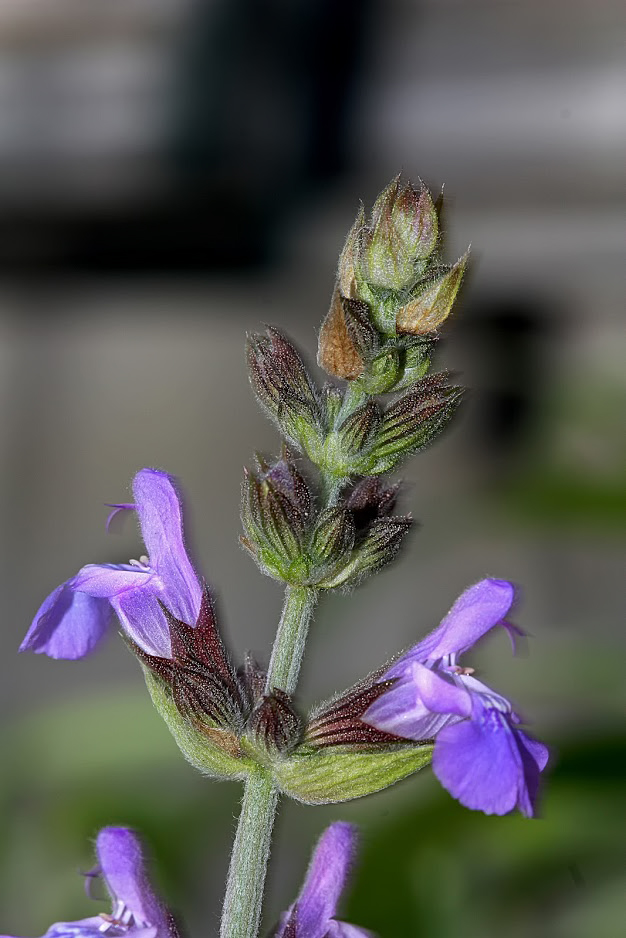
x,y
160,516
419,704
84,928
143,620
123,867
106,580
487,764
325,880
68,624
476,611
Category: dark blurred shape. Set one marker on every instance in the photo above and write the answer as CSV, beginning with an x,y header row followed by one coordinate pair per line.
x,y
509,339
164,138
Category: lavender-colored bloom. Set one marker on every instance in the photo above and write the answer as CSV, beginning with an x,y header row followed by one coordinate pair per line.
x,y
136,909
481,756
73,618
312,914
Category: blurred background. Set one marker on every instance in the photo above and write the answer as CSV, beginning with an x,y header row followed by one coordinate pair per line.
x,y
174,173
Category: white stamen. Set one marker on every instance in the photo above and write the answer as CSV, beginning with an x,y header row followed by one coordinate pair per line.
x,y
143,562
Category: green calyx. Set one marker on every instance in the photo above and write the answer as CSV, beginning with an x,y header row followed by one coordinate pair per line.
x,y
213,751
326,776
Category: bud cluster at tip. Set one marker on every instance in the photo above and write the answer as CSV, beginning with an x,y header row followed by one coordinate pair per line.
x,y
391,285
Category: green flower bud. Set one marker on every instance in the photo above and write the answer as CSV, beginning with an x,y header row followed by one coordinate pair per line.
x,y
412,422
400,237
284,388
378,547
275,514
358,429
415,217
416,352
333,537
427,310
383,371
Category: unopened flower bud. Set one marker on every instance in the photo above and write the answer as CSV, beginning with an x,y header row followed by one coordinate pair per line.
x,y
369,500
383,371
276,505
431,307
358,429
401,236
274,724
416,353
379,546
412,422
415,217
333,536
284,388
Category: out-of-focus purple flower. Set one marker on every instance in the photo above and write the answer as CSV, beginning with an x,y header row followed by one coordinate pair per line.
x,y
136,909
481,756
73,618
313,913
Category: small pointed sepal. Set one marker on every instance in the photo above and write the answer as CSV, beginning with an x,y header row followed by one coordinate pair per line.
x,y
432,301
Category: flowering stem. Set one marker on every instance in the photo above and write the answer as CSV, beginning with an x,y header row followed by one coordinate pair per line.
x,y
241,914
243,902
290,638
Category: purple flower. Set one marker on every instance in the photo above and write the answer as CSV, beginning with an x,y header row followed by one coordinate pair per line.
x,y
312,914
136,909
481,756
73,618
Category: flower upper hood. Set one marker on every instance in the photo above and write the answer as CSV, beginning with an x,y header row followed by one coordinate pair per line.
x,y
73,618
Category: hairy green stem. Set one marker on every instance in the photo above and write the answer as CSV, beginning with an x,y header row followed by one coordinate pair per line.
x,y
290,640
248,864
243,902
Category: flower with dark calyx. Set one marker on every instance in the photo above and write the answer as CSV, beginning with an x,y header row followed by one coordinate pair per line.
x,y
74,617
481,755
201,680
136,911
313,913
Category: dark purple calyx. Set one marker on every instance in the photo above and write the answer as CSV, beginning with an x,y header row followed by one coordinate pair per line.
x,y
275,724
340,723
199,674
